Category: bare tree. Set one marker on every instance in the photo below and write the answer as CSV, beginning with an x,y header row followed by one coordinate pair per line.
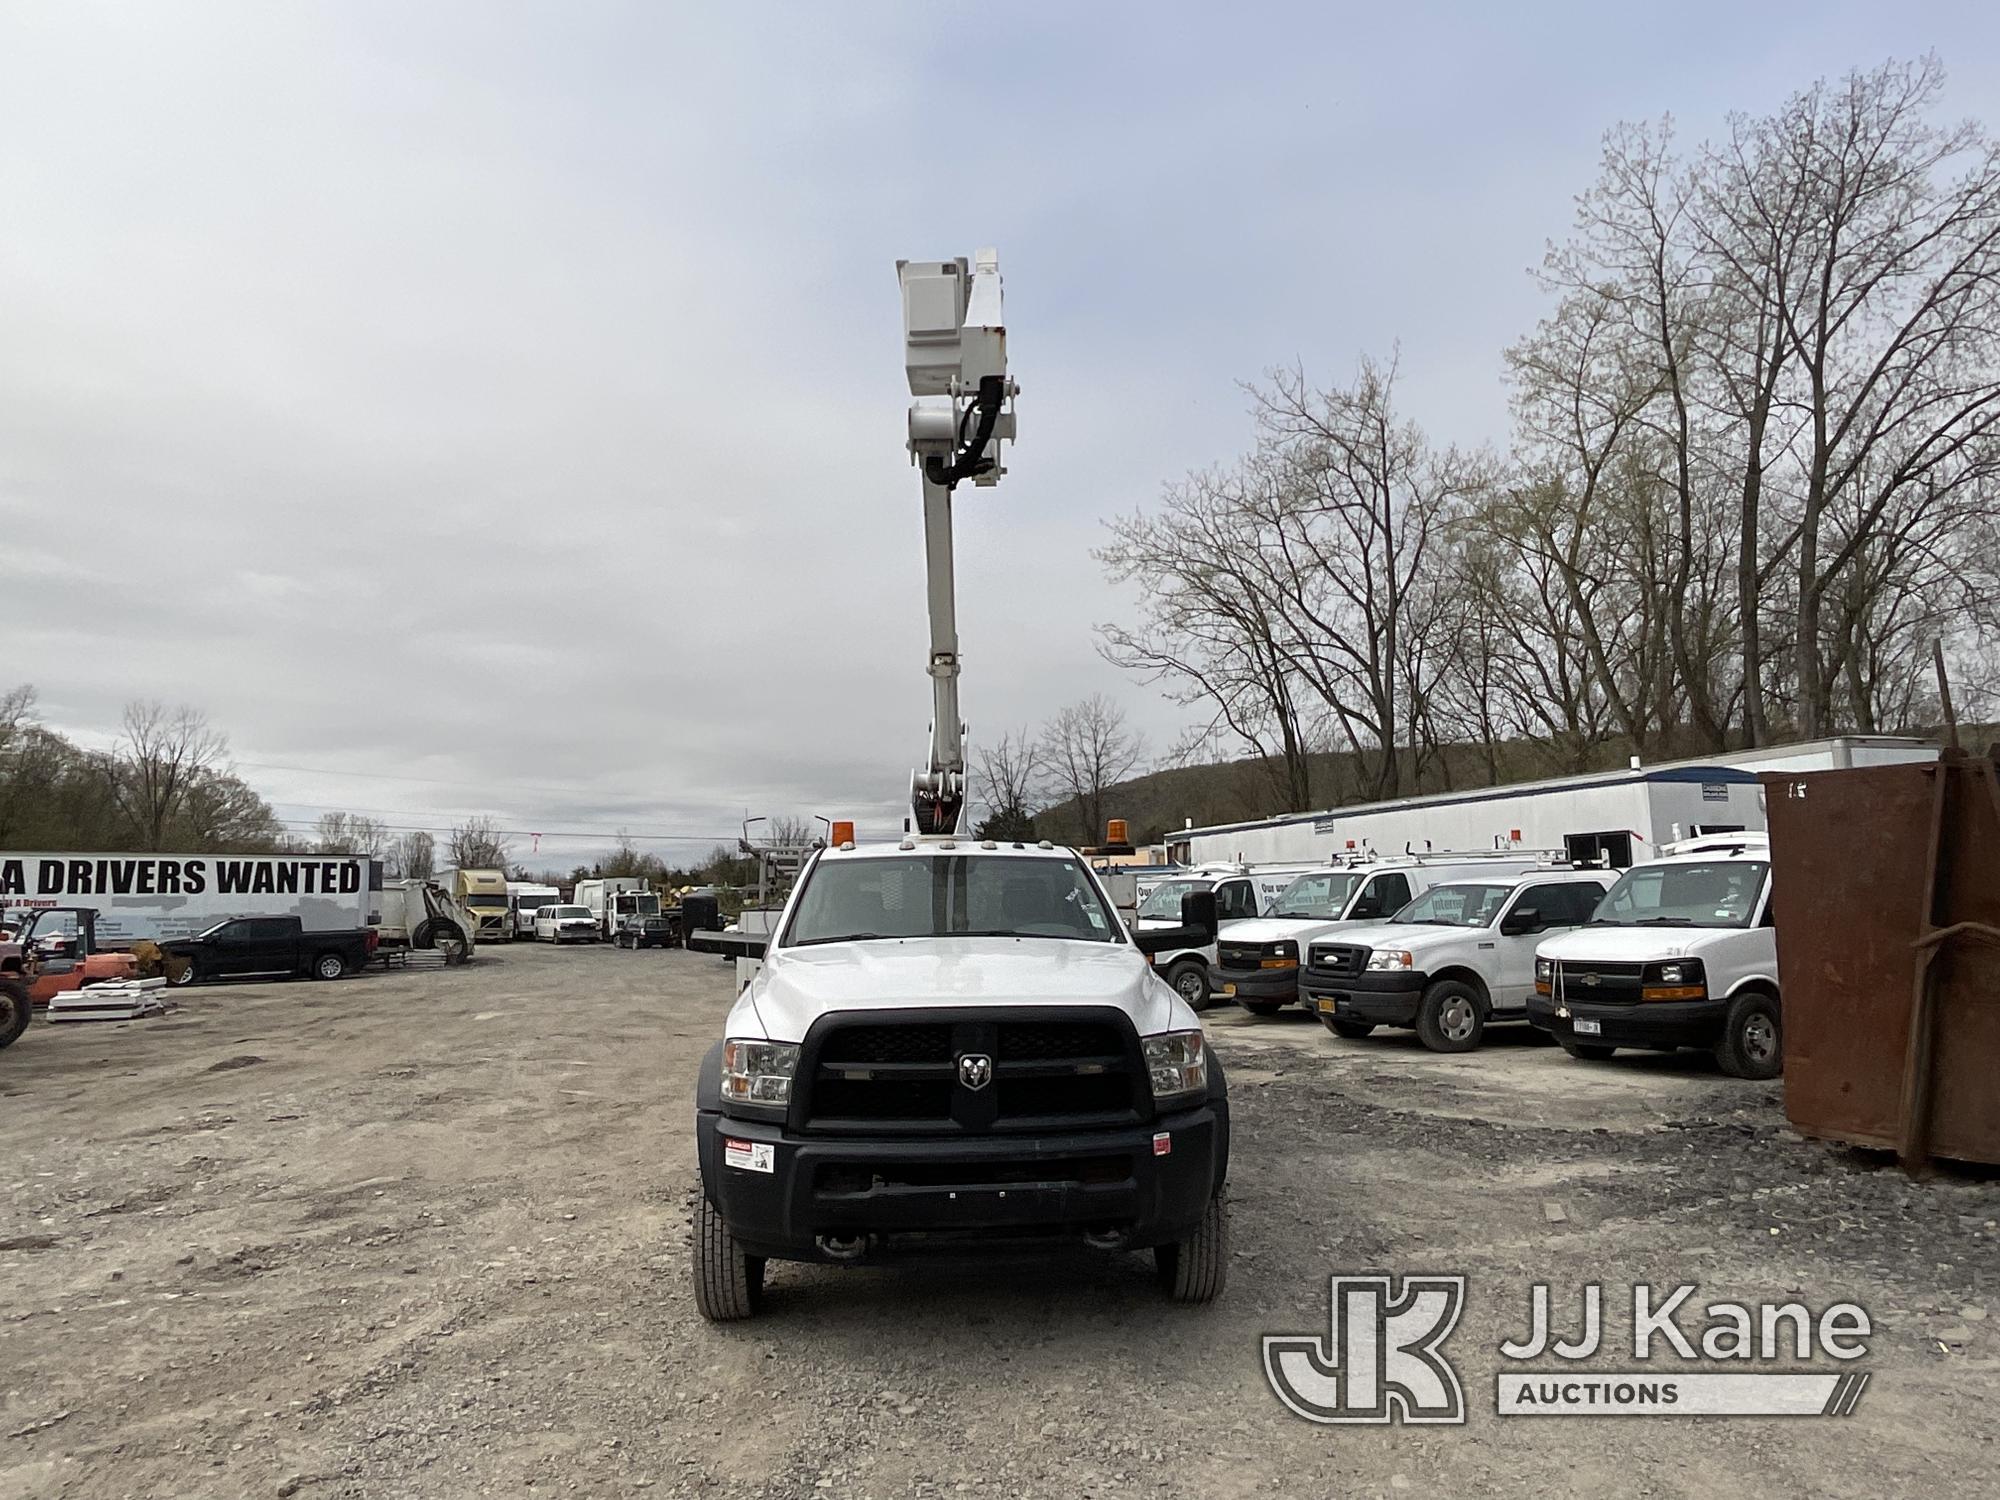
x,y
1088,749
351,833
162,754
477,845
1008,779
414,855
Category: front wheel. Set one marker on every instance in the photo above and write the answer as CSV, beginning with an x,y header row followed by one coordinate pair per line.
x,y
1354,1031
1197,1268
329,966
1451,1017
1752,1044
182,973
15,1008
728,1284
1190,982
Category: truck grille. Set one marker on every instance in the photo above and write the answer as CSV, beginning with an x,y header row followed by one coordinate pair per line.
x,y
1336,960
1240,955
1047,1071
1592,980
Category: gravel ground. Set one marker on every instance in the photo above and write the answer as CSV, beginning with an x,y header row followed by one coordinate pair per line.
x,y
426,1235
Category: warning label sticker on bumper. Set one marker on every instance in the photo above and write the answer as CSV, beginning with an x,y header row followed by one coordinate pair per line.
x,y
749,1156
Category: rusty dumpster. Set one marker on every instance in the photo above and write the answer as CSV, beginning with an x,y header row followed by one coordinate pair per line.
x,y
1886,895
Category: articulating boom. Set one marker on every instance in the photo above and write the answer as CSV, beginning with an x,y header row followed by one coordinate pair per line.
x,y
955,353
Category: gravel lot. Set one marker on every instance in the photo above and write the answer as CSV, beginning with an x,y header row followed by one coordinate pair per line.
x,y
425,1235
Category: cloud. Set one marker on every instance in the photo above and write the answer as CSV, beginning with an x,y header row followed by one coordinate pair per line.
x,y
511,397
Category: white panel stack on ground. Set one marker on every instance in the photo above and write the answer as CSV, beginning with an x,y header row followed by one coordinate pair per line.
x,y
110,1000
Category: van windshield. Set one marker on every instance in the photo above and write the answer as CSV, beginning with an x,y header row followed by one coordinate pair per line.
x,y
1322,895
948,895
562,913
1166,898
1690,893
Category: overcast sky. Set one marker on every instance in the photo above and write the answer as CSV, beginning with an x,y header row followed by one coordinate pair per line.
x,y
499,408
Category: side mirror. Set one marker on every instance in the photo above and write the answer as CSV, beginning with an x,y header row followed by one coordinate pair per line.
x,y
1198,910
1521,920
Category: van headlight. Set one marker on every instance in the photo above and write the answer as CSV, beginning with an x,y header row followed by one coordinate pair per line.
x,y
1390,958
757,1073
1177,1064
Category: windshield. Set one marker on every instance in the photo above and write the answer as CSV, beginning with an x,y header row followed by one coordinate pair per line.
x,y
535,900
955,895
1322,894
1466,905
1166,898
560,912
1718,893
641,904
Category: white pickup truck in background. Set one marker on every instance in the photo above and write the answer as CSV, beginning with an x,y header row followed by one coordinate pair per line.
x,y
1459,956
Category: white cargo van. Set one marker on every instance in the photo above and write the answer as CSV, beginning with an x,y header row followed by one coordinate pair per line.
x,y
1258,960
1681,952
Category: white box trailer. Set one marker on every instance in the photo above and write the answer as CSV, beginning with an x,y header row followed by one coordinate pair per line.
x,y
1608,817
165,896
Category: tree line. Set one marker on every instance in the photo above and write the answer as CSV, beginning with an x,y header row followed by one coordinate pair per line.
x,y
1751,480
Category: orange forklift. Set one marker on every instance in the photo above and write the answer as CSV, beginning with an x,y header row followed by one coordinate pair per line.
x,y
34,971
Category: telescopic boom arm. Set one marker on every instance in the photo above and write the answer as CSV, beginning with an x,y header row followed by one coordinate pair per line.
x,y
955,353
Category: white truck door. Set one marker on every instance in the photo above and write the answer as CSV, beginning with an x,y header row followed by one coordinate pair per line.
x,y
1557,906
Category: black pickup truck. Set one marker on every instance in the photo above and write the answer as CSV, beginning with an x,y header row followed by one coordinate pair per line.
x,y
269,947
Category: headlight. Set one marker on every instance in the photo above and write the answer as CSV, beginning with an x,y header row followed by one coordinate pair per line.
x,y
1677,979
1545,971
1177,1062
758,1072
1673,973
1389,958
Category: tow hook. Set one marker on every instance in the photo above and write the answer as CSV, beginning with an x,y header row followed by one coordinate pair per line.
x,y
843,1247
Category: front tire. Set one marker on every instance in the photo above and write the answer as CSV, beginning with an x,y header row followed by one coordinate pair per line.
x,y
184,974
728,1284
329,966
1451,1017
1354,1031
15,1008
1753,1042
1190,982
1196,1270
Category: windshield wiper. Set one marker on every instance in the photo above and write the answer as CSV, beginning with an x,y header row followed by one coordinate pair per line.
x,y
1664,922
847,937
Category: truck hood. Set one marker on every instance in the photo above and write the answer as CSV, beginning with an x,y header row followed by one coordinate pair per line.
x,y
1414,936
1633,944
1276,929
797,986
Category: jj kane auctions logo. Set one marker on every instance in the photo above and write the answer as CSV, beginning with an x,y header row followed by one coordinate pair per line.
x,y
1382,1358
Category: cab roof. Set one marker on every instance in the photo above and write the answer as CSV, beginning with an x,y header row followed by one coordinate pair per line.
x,y
916,848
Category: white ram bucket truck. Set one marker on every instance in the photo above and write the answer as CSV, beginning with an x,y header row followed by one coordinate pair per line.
x,y
1458,957
524,899
1258,960
614,898
1240,893
1681,952
955,1042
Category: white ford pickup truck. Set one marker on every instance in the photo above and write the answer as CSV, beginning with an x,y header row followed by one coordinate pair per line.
x,y
957,1043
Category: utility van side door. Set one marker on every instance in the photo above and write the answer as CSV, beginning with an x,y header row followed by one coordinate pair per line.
x,y
1524,924
1381,898
1235,900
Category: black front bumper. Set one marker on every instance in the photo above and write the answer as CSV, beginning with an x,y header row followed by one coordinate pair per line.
x,y
1388,998
967,1191
1662,1025
1278,985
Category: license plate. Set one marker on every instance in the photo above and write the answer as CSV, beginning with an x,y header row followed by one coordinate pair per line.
x,y
1328,1007
1590,1028
1228,992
